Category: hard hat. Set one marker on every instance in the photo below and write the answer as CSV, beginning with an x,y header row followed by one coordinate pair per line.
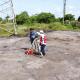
x,y
41,31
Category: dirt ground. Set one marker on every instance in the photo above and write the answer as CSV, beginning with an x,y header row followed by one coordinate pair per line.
x,y
62,61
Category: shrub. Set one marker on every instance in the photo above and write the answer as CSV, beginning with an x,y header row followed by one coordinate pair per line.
x,y
57,26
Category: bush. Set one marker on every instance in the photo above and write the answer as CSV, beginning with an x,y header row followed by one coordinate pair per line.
x,y
57,26
75,24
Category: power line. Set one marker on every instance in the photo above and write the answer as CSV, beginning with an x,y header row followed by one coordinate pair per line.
x,y
10,4
5,9
4,3
14,20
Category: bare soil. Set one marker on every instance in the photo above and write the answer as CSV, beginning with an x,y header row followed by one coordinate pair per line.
x,y
62,60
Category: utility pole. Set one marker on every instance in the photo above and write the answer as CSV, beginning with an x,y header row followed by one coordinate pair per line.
x,y
64,9
14,20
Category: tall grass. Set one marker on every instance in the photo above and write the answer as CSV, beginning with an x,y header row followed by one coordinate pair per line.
x,y
24,29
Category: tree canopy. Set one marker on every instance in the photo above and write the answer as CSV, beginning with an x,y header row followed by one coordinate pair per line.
x,y
45,17
0,19
22,18
79,18
69,17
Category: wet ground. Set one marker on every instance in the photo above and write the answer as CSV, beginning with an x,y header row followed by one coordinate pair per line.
x,y
62,61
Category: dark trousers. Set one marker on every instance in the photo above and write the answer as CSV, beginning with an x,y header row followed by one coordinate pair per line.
x,y
43,49
31,40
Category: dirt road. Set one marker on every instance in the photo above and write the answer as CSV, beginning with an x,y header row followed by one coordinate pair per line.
x,y
62,61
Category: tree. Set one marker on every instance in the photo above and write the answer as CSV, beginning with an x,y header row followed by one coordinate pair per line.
x,y
22,18
45,18
7,18
79,18
33,18
0,19
60,19
69,17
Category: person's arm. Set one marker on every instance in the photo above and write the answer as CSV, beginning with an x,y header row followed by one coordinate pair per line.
x,y
38,33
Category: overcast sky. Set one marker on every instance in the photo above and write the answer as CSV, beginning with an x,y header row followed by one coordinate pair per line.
x,y
53,6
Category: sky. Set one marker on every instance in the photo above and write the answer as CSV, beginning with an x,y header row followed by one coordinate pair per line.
x,y
53,6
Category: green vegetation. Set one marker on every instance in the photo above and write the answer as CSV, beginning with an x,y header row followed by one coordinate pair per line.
x,y
45,21
79,18
22,18
69,17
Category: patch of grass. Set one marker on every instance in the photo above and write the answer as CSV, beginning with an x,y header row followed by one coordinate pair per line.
x,y
6,30
23,30
4,33
57,26
69,27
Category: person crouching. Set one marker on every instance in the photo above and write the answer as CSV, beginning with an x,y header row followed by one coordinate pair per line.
x,y
43,40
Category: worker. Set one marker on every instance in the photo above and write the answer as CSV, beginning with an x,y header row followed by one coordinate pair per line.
x,y
33,35
43,39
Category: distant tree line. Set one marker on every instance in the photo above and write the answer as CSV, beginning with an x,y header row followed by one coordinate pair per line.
x,y
37,18
24,18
